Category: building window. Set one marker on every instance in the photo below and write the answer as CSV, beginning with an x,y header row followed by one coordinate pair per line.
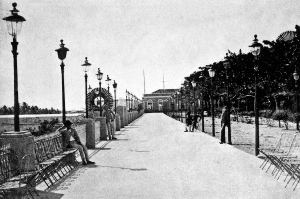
x,y
160,104
150,105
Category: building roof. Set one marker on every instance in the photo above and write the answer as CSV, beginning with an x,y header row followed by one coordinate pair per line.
x,y
160,93
164,91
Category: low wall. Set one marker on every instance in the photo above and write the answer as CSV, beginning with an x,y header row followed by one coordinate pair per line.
x,y
36,120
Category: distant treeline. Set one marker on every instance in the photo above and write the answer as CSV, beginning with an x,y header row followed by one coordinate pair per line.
x,y
26,109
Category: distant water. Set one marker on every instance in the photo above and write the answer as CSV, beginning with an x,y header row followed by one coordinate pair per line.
x,y
41,115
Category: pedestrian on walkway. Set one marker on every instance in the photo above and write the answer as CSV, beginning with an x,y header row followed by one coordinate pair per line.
x,y
224,122
72,140
110,117
189,121
196,120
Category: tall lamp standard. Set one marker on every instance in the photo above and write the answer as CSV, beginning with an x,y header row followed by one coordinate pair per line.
x,y
99,77
296,78
194,84
62,53
86,67
226,64
202,97
115,89
176,103
212,72
108,82
90,88
126,98
181,104
132,108
255,50
14,25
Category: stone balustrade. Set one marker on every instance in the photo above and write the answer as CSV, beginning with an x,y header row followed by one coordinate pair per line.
x,y
90,131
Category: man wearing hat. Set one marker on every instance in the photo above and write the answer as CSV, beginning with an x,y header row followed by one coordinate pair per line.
x,y
110,116
72,140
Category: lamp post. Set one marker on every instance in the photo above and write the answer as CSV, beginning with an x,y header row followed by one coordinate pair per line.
x,y
179,105
212,72
202,98
255,50
181,91
115,89
172,104
194,84
126,98
296,78
14,25
176,103
99,77
86,67
108,82
131,101
90,88
62,53
226,64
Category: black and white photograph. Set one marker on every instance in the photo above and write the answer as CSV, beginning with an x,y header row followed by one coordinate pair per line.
x,y
149,99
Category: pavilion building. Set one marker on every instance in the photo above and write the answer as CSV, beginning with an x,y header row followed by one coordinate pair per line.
x,y
160,100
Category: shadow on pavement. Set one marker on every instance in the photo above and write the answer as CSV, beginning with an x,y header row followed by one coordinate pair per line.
x,y
48,195
120,140
41,195
131,169
97,148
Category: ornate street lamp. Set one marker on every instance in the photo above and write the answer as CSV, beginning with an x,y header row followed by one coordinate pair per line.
x,y
62,53
181,91
131,98
86,67
108,82
126,93
99,77
14,26
194,84
296,78
90,88
212,73
202,98
226,64
179,104
115,89
255,50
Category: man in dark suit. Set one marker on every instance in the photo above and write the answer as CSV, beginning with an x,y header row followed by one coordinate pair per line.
x,y
224,122
72,140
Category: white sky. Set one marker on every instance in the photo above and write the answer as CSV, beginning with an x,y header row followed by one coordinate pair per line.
x,y
125,37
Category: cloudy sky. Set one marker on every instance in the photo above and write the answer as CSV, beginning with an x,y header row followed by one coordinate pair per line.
x,y
125,37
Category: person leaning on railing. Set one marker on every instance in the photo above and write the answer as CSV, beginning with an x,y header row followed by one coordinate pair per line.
x,y
72,140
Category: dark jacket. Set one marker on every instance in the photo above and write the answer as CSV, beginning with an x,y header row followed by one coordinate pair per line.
x,y
189,119
224,117
109,115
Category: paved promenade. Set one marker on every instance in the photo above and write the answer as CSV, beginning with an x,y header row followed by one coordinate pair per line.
x,y
154,158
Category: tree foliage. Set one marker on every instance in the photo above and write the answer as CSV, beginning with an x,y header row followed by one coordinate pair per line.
x,y
276,64
27,109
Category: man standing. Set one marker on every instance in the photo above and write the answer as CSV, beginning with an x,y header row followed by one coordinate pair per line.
x,y
224,122
189,122
110,117
72,140
196,120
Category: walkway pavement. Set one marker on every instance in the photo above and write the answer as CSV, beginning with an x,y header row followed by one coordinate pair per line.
x,y
154,158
